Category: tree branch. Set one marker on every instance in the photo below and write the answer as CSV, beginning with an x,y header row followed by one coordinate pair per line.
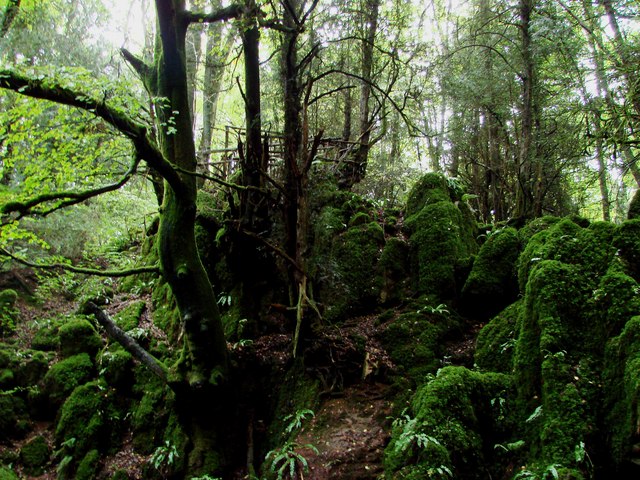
x,y
73,198
83,270
127,342
227,13
47,89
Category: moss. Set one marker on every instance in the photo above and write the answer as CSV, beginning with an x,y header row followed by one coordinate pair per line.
x,y
622,379
535,226
496,341
129,317
441,240
120,475
627,241
394,265
353,282
492,283
88,417
459,413
79,336
116,365
149,417
165,310
7,474
634,206
31,367
12,414
430,188
8,313
64,376
413,341
46,338
360,218
34,455
89,466
569,243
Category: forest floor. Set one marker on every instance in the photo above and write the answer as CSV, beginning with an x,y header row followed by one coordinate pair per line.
x,y
346,437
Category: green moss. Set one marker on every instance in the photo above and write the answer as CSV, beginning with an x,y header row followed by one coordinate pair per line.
x,y
441,240
431,188
12,415
64,376
8,313
492,283
394,265
149,417
116,365
353,282
535,226
460,419
120,475
46,338
88,417
359,218
79,336
413,341
89,466
627,241
165,310
569,243
129,317
34,455
7,474
496,341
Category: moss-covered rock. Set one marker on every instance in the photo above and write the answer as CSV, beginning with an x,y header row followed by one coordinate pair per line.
x,y
46,337
89,466
64,376
7,474
34,455
496,341
129,317
492,283
451,428
8,312
79,336
627,241
88,420
394,265
116,366
442,241
430,188
12,416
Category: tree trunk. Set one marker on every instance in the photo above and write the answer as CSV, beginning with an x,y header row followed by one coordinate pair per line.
x,y
204,356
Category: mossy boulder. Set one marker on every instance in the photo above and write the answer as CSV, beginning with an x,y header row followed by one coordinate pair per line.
x,y
442,242
116,366
352,281
627,241
451,428
496,341
46,337
129,317
89,466
34,455
13,416
7,474
64,376
149,416
430,188
394,265
89,419
492,283
8,312
79,336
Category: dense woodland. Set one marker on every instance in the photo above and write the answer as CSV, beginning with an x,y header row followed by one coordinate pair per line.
x,y
319,239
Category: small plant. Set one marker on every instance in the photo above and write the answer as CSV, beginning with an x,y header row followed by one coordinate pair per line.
x,y
164,456
411,436
439,310
286,462
206,476
296,419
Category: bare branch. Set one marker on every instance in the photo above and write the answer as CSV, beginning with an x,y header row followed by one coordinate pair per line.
x,y
127,342
86,271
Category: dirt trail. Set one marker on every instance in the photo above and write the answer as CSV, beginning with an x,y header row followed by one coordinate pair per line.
x,y
350,433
